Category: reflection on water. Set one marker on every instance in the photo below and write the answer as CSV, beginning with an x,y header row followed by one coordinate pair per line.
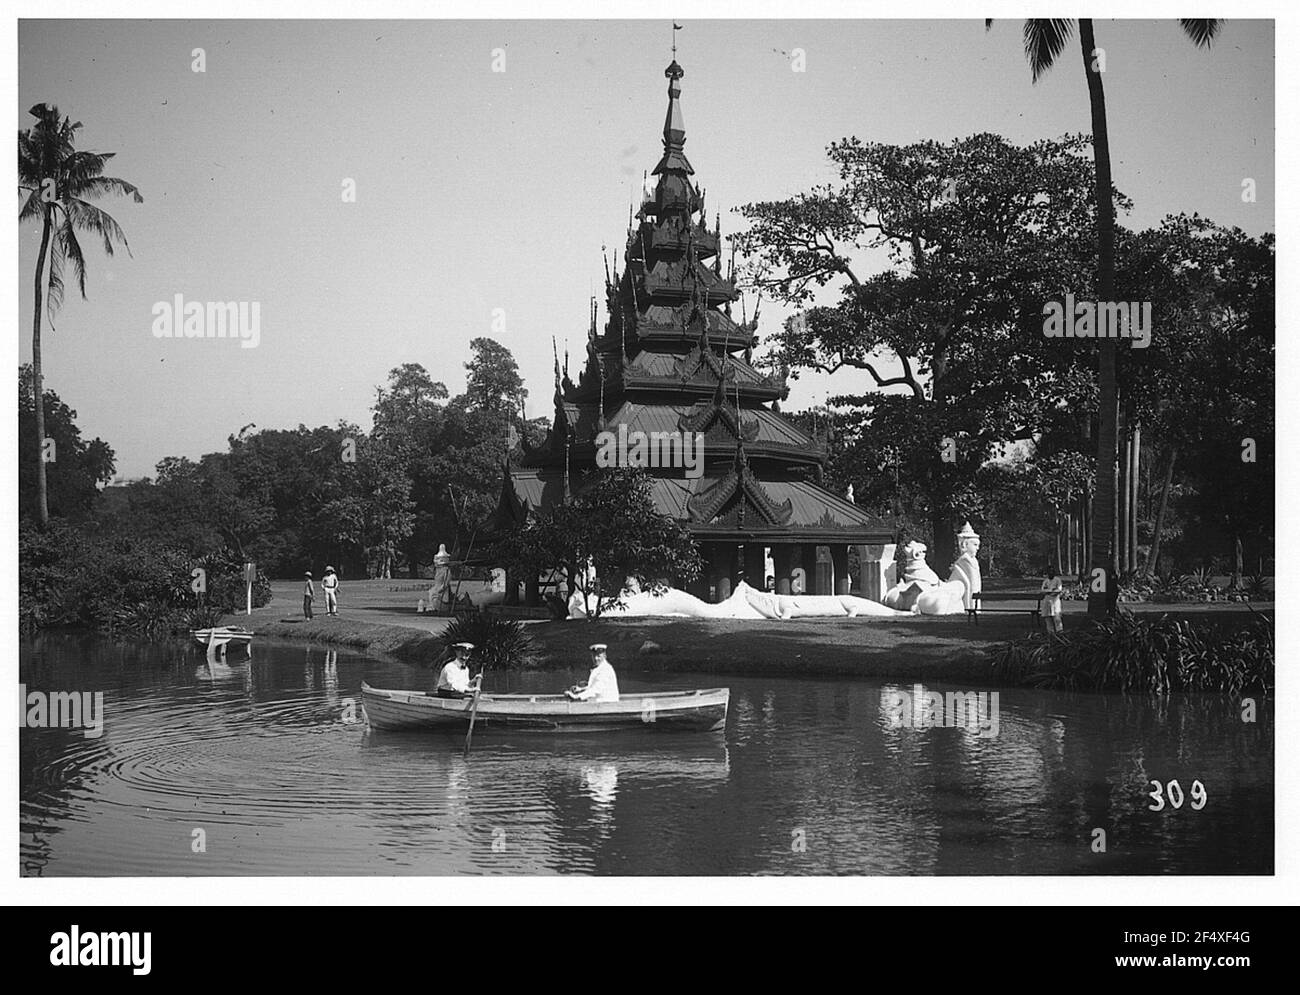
x,y
264,754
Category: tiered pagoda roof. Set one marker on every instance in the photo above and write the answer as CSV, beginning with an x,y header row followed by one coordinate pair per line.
x,y
671,358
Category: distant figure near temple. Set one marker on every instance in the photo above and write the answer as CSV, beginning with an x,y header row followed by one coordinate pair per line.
x,y
967,568
1049,606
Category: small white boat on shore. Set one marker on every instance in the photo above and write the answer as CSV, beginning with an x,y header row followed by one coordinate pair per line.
x,y
219,636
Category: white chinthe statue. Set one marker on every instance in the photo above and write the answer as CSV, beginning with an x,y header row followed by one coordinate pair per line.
x,y
966,570
920,591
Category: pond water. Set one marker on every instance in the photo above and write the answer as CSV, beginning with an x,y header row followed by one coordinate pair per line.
x,y
258,767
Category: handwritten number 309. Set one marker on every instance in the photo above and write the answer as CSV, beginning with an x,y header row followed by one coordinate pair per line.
x,y
1174,791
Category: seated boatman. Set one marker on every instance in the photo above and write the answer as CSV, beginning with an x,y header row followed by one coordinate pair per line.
x,y
602,682
454,681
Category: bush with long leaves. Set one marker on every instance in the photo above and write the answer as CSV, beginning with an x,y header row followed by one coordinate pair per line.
x,y
499,643
1135,653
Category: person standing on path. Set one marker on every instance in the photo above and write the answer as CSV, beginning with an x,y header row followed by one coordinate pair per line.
x,y
1049,605
308,596
330,585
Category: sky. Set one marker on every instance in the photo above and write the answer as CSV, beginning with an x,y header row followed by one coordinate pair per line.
x,y
483,198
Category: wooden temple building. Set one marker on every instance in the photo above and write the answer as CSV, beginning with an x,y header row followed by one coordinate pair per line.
x,y
672,359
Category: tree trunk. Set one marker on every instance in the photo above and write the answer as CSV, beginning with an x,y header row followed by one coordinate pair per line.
x,y
1087,530
1103,539
942,554
1152,563
1134,478
1122,493
38,379
1062,525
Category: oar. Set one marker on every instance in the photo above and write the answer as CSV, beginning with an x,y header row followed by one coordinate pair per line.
x,y
473,714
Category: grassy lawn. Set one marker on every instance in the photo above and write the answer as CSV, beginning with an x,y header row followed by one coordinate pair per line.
x,y
379,617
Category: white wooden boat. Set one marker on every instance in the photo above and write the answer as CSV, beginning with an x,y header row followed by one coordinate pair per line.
x,y
217,637
703,710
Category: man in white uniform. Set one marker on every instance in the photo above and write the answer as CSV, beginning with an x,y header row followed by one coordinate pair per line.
x,y
454,681
602,682
330,584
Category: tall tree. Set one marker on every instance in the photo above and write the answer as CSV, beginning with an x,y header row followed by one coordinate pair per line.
x,y
82,465
493,383
976,233
56,183
1045,39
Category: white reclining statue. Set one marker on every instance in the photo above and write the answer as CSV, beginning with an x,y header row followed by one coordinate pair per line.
x,y
745,603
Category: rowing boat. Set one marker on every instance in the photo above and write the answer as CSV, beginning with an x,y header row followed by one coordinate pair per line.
x,y
219,635
703,710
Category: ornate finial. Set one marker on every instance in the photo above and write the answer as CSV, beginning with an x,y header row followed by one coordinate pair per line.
x,y
676,27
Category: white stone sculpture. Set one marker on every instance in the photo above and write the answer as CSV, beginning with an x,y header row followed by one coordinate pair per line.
x,y
966,570
920,591
746,602
440,591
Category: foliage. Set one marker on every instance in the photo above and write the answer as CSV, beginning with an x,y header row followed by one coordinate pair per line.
x,y
492,383
499,643
1137,653
68,576
611,525
977,233
79,467
226,585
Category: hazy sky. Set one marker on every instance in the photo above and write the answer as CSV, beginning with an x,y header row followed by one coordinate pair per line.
x,y
479,190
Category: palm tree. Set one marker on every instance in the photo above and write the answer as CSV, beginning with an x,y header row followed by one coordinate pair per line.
x,y
1045,39
55,182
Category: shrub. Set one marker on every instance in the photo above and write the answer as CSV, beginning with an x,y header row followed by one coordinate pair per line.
x,y
1140,654
499,643
120,583
226,583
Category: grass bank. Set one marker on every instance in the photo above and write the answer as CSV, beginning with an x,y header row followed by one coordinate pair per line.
x,y
911,649
377,638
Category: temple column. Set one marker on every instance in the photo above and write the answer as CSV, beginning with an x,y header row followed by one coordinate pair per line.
x,y
808,562
722,565
843,583
783,559
879,572
754,565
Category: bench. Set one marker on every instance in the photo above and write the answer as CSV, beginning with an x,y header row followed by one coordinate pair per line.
x,y
973,614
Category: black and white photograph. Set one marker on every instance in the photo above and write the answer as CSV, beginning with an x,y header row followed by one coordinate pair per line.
x,y
550,447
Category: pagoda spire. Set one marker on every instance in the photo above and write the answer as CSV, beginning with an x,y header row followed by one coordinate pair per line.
x,y
674,125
